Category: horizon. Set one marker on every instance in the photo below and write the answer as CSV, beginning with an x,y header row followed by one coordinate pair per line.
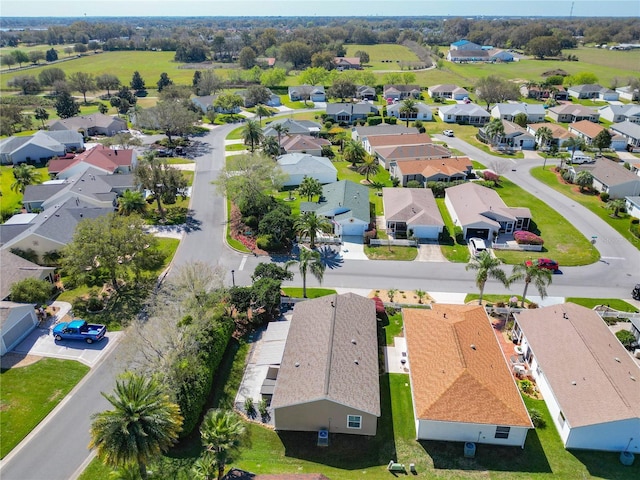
x,y
79,9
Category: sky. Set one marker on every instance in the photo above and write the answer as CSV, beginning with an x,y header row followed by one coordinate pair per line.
x,y
238,8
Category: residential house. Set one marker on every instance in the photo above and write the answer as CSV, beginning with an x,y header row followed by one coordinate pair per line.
x,y
431,170
39,147
51,229
387,155
633,209
347,63
557,92
266,62
508,111
614,179
411,212
464,51
595,92
359,134
17,320
328,378
346,204
372,142
400,92
273,101
292,127
569,113
307,92
205,102
345,113
464,114
100,157
514,137
587,379
90,125
620,113
15,269
588,131
629,93
560,135
364,92
450,91
480,212
461,385
297,166
422,112
303,144
630,131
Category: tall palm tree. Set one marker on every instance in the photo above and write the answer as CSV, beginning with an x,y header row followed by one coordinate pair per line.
x,y
24,175
308,224
311,261
222,433
131,202
487,267
494,130
280,130
573,144
270,147
252,134
262,111
354,152
309,187
143,423
540,277
544,136
370,166
407,108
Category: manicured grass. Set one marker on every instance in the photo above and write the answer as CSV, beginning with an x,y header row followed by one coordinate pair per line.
x,y
294,292
29,393
235,147
453,251
232,242
393,252
178,161
384,56
590,201
614,303
393,328
562,241
491,298
10,200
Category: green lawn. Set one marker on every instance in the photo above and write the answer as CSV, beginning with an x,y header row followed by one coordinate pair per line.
x,y
384,56
10,200
391,253
590,201
451,249
235,147
614,303
294,292
29,393
393,328
491,298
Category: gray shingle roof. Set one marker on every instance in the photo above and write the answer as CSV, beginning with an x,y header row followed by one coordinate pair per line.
x,y
302,163
465,109
627,128
343,199
414,206
612,173
351,108
40,193
384,129
331,353
15,269
296,127
86,122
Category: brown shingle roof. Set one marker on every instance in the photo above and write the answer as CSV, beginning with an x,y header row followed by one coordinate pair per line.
x,y
400,139
430,167
587,128
327,336
414,206
587,368
558,131
576,110
458,371
303,142
428,150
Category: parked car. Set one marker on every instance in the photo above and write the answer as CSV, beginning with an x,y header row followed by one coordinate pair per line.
x,y
544,263
448,133
477,245
635,293
79,330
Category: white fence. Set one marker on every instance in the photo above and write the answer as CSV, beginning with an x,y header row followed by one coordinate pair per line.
x,y
390,241
321,239
516,246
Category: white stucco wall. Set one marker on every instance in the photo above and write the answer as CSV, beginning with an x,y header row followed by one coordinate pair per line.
x,y
468,432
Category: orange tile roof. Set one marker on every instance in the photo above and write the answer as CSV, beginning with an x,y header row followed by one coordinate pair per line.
x,y
458,371
586,127
431,167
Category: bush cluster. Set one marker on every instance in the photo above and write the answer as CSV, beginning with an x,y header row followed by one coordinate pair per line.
x,y
604,196
523,237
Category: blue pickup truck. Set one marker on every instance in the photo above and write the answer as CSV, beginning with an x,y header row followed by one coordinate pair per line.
x,y
79,330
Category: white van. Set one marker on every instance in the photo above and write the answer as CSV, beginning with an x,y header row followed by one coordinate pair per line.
x,y
580,157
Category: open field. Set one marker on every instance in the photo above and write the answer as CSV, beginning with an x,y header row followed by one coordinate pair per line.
x,y
29,393
384,56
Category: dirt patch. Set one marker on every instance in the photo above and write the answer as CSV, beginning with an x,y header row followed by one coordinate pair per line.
x,y
402,296
17,360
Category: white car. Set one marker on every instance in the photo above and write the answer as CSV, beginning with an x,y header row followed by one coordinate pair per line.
x,y
448,133
477,245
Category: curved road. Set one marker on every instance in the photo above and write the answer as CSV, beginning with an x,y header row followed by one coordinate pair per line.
x,y
57,448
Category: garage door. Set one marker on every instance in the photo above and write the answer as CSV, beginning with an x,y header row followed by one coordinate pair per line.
x,y
353,229
17,332
478,232
427,232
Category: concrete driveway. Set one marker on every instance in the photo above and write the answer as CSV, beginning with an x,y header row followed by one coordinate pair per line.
x,y
429,251
353,248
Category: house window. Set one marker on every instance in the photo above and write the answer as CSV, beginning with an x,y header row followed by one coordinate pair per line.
x,y
502,432
354,421
561,418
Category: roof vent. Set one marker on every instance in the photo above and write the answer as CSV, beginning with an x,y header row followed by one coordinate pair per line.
x,y
565,316
632,378
356,362
353,340
297,364
473,347
617,360
573,383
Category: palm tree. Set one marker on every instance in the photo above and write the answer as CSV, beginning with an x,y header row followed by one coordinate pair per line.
x,y
270,147
143,423
584,179
309,187
308,224
205,468
420,294
24,175
311,261
407,108
494,130
616,204
262,111
354,152
487,267
222,433
131,202
369,167
280,130
252,134
544,136
573,144
541,278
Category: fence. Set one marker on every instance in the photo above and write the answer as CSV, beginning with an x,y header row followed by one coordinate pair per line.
x,y
390,241
321,239
516,246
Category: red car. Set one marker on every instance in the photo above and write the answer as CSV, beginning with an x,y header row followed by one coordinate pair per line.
x,y
544,263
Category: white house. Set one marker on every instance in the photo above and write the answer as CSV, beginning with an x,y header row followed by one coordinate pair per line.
x,y
39,147
464,114
620,113
633,206
614,179
589,382
628,93
461,385
412,212
629,130
454,92
17,320
507,111
297,166
594,91
422,112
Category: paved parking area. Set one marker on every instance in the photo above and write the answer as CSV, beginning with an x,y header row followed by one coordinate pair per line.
x,y
429,251
353,248
395,357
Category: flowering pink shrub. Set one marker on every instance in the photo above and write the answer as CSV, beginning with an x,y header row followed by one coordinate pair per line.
x,y
527,238
490,176
248,242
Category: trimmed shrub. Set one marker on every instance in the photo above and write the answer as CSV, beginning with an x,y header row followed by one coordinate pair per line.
x,y
604,196
626,338
537,419
635,221
487,183
373,121
522,237
458,232
328,124
251,221
491,176
267,243
391,120
567,176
